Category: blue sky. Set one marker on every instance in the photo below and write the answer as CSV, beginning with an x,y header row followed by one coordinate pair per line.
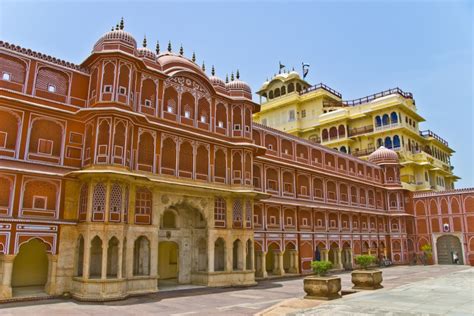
x,y
355,47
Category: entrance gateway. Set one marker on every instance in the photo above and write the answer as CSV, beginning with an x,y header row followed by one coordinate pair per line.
x,y
446,245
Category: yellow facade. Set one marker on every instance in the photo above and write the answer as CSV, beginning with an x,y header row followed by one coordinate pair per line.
x,y
360,126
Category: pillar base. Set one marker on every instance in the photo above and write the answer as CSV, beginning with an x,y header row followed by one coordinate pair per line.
x,y
5,292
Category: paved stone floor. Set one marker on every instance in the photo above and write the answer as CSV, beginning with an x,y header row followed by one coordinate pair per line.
x,y
418,290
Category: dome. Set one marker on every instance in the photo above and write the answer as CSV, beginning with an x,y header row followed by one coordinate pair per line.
x,y
294,74
383,156
145,52
217,82
171,61
238,85
116,36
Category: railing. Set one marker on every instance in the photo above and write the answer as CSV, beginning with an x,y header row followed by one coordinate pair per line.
x,y
363,152
361,130
386,126
368,98
429,133
321,86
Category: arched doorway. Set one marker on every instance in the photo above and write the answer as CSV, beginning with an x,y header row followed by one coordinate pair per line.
x,y
446,245
30,268
346,256
168,253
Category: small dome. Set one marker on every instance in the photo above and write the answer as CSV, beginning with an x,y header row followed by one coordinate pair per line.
x,y
217,82
173,61
293,74
383,156
238,85
145,52
116,36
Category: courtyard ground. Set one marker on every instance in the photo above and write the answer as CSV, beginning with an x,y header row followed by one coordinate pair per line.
x,y
408,290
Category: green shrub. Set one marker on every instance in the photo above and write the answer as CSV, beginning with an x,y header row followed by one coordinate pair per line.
x,y
321,267
427,250
364,260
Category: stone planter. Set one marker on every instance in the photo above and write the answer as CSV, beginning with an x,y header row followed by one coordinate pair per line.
x,y
322,288
367,279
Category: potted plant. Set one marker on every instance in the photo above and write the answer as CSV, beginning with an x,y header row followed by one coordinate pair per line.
x,y
427,253
321,286
365,278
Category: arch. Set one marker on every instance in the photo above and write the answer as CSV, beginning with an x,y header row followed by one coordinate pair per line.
x,y
221,117
95,261
378,121
276,92
98,202
187,106
220,166
141,256
341,130
169,219
301,151
119,146
202,163
124,81
447,246
148,94
288,181
219,254
15,67
325,135
291,87
170,103
203,112
9,130
237,256
113,257
379,142
388,142
46,138
115,202
47,77
385,120
186,160
39,196
79,271
237,167
283,90
343,149
30,267
271,174
108,79
396,141
318,187
393,118
168,263
271,263
168,161
333,133
202,255
237,118
286,147
271,142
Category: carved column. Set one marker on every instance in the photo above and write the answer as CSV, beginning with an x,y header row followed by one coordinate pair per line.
x,y
87,258
6,284
104,260
210,254
339,258
52,266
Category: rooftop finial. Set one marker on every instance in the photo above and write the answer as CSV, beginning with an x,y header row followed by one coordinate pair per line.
x,y
194,57
226,78
157,48
112,28
122,25
181,50
169,46
237,75
232,76
203,66
117,27
144,41
213,71
293,69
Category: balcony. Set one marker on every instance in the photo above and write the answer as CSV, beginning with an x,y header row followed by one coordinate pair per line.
x,y
363,152
430,134
321,86
369,98
361,130
387,126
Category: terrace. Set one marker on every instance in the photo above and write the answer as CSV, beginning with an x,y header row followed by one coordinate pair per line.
x,y
369,98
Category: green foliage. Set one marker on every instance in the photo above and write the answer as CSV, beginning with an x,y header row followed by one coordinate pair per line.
x,y
364,260
427,250
321,267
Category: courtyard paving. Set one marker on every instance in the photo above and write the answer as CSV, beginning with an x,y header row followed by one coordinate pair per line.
x,y
408,290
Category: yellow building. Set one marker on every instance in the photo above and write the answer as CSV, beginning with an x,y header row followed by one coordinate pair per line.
x,y
388,118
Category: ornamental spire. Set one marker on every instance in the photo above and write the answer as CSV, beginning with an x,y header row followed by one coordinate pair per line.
x,y
117,27
232,76
169,46
122,25
203,66
237,75
181,50
144,41
226,78
213,71
194,57
157,48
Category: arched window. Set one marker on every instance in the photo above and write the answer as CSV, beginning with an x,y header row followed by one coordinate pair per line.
x,y
341,131
141,256
394,118
291,87
385,119
83,197
378,121
220,166
388,142
186,160
396,141
343,149
379,142
325,134
283,90
168,161
98,202
115,203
